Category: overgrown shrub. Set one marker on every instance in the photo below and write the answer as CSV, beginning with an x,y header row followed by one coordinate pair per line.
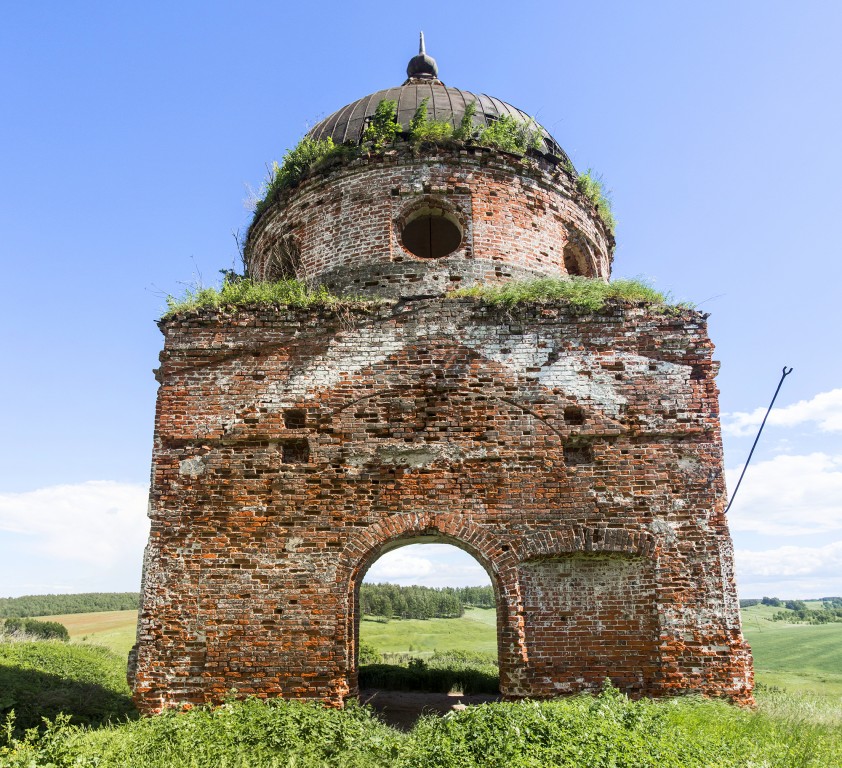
x,y
297,163
603,731
369,654
511,135
35,629
383,127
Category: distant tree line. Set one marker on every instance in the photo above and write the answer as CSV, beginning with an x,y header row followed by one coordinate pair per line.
x,y
394,601
798,610
51,605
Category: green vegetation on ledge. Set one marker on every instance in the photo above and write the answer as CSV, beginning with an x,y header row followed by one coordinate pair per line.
x,y
591,186
244,292
587,294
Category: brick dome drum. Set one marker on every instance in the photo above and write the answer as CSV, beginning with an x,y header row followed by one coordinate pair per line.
x,y
491,216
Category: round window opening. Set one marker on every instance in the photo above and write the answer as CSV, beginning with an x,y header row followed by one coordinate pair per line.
x,y
431,234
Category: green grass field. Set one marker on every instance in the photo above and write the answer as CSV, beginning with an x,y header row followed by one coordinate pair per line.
x,y
475,631
113,629
796,657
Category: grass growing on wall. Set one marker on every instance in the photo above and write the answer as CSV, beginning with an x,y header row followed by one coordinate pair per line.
x,y
587,294
592,187
245,292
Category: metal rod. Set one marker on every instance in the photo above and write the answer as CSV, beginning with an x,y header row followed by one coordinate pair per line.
x,y
762,424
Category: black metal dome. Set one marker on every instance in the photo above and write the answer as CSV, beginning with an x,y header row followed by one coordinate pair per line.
x,y
347,125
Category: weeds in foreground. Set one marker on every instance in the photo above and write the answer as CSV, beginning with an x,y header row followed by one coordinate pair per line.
x,y
603,731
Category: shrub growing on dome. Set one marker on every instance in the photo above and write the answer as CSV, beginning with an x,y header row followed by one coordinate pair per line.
x,y
422,129
297,162
511,135
383,127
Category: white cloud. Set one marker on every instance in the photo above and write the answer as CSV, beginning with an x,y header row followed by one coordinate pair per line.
x,y
789,495
825,410
430,565
791,572
73,537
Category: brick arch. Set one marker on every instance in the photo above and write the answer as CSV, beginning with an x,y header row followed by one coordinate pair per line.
x,y
497,558
583,539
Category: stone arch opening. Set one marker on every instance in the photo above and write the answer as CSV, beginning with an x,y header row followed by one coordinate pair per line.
x,y
506,605
418,604
577,256
283,260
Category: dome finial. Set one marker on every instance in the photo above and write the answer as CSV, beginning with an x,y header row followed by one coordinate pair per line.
x,y
422,66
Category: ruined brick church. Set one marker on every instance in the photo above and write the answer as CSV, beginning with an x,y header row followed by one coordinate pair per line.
x,y
576,455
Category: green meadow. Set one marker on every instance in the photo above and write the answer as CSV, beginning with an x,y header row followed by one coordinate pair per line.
x,y
113,629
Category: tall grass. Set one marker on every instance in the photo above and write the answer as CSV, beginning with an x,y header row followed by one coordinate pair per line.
x,y
583,293
244,292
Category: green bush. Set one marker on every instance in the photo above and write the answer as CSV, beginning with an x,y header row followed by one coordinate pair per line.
x,y
369,654
41,630
297,163
383,127
511,135
44,679
423,130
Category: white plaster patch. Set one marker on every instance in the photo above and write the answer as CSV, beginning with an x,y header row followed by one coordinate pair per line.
x,y
192,467
347,355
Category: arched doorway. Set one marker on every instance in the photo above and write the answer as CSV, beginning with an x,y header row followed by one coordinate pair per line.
x,y
426,631
400,559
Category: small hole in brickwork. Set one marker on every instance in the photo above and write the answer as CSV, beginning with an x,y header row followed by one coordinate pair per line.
x,y
574,415
295,418
295,451
578,453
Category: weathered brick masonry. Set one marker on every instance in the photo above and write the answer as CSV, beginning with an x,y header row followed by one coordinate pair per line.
x,y
576,456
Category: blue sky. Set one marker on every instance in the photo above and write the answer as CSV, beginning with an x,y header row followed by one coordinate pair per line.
x,y
133,135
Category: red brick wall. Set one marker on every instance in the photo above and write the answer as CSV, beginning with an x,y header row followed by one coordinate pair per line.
x,y
578,458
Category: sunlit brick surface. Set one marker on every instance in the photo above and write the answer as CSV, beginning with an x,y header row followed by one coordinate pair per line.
x,y
577,457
